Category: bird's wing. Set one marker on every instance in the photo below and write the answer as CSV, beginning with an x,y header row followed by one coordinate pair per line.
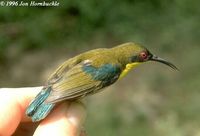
x,y
66,66
83,79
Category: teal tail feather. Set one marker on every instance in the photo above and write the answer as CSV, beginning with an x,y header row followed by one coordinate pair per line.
x,y
38,109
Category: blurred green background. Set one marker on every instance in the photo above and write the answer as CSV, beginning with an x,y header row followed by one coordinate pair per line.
x,y
152,100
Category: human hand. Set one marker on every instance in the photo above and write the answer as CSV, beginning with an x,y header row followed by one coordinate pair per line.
x,y
65,120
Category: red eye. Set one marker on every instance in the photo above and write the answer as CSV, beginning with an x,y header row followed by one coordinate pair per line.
x,y
143,55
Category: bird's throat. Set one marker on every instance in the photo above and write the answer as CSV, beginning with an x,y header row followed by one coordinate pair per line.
x,y
128,68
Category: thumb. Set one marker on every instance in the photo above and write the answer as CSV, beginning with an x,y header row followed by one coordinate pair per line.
x,y
76,115
64,120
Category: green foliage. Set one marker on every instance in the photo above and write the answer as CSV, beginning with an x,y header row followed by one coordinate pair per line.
x,y
123,20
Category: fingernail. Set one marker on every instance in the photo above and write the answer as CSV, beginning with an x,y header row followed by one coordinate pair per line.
x,y
76,113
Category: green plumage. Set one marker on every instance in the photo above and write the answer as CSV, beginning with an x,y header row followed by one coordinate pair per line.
x,y
86,74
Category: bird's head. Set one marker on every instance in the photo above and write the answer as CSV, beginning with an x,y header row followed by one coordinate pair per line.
x,y
134,54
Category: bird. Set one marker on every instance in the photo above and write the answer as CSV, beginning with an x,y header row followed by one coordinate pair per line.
x,y
89,73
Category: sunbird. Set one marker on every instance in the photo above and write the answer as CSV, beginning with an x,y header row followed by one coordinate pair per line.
x,y
87,74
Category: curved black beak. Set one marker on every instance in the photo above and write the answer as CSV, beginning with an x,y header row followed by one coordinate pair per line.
x,y
158,59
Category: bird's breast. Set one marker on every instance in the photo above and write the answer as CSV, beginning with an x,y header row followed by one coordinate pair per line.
x,y
128,68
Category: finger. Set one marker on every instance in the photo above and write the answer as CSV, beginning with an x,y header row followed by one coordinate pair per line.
x,y
13,102
65,120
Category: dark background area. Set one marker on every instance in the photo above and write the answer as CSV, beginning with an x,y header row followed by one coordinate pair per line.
x,y
153,100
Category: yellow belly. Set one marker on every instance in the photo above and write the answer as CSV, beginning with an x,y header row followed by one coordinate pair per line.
x,y
128,68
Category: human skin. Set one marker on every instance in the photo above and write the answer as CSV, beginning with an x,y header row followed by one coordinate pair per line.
x,y
65,120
